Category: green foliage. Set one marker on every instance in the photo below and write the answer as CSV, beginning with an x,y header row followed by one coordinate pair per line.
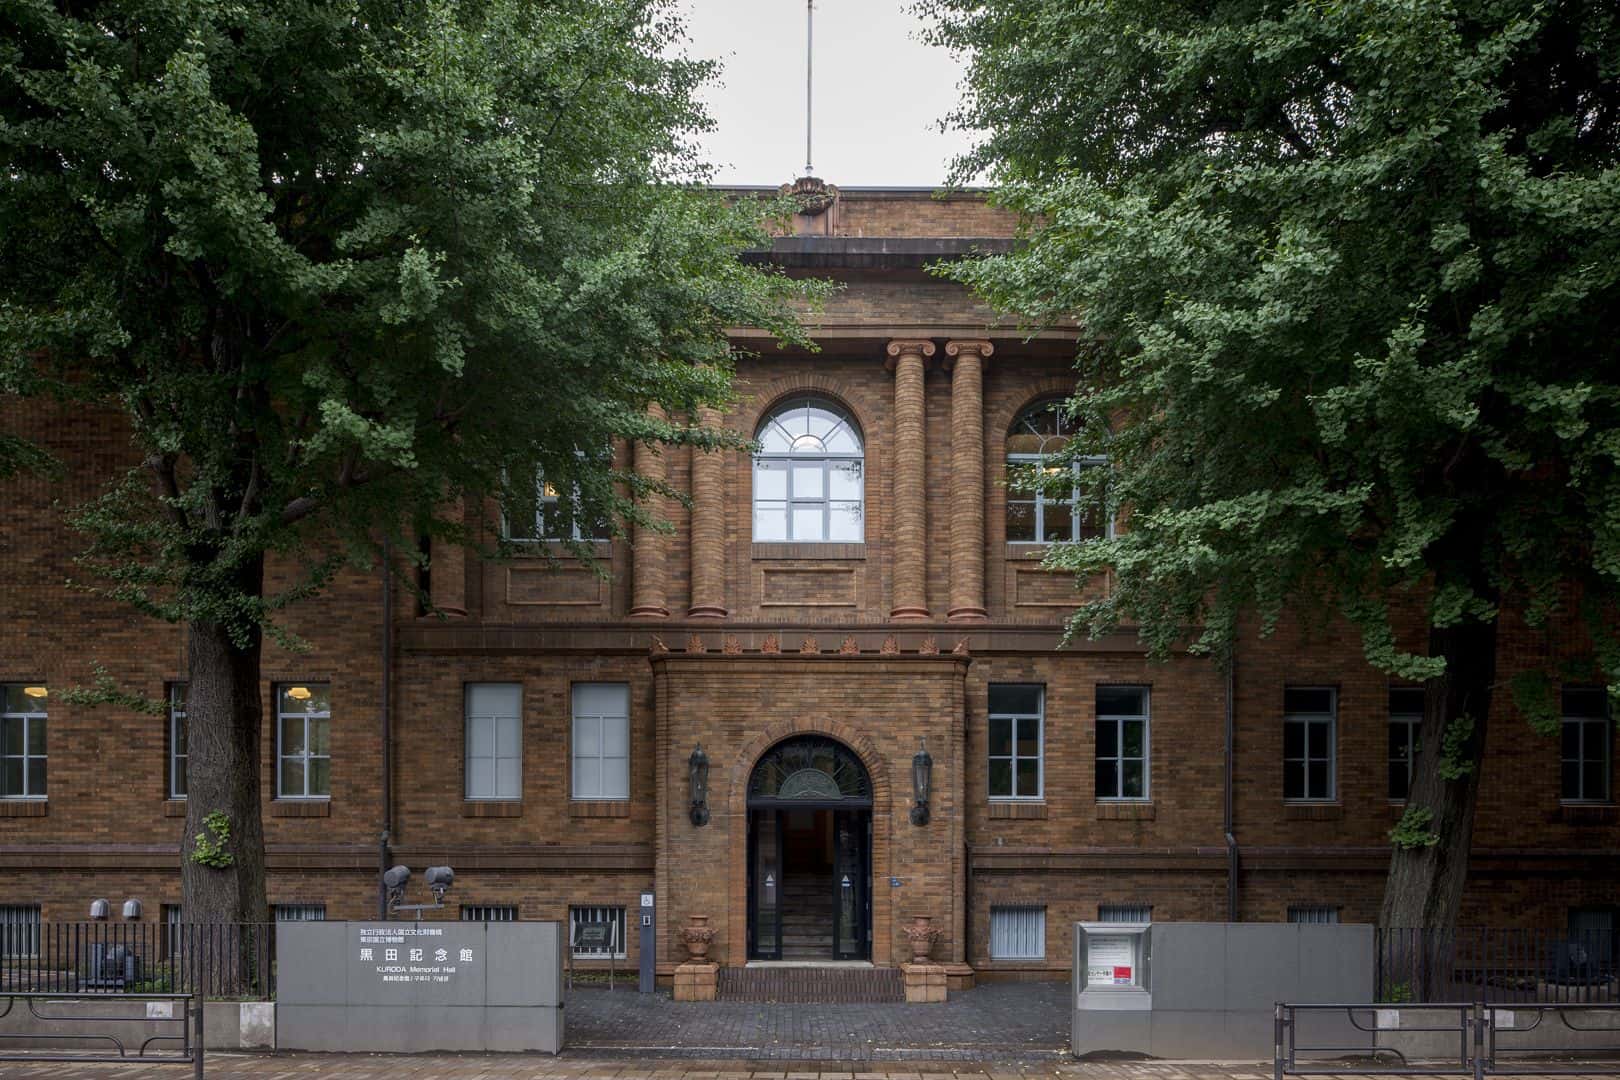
x,y
1350,282
341,264
1456,761
104,690
1399,994
210,846
1412,832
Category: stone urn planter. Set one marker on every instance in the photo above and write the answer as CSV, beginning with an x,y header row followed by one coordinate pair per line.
x,y
698,935
922,934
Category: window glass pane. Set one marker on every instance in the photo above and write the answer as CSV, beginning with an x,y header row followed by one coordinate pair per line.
x,y
1107,738
770,521
808,480
615,778
1397,780
770,480
1570,738
1592,739
587,778
1135,738
1000,736
809,522
36,735
36,777
1023,699
1585,701
1318,740
1029,777
601,699
1307,700
494,699
13,777
1406,701
1134,782
292,735
480,778
843,441
845,522
1570,785
1398,734
319,734
844,480
1318,780
320,776
1293,779
508,737
292,776
1293,739
1121,701
480,737
616,737
1000,778
1020,522
1029,739
1107,778
773,440
587,737
507,784
13,738
1594,781
1057,526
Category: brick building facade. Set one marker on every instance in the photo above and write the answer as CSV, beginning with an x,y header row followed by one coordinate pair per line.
x,y
865,589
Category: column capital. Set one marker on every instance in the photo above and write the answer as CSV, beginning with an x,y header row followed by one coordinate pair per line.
x,y
972,347
899,347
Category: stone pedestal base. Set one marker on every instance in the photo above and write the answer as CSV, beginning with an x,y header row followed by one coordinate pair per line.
x,y
925,983
696,982
958,976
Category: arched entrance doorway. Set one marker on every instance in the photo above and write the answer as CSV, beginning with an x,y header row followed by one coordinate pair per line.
x,y
809,853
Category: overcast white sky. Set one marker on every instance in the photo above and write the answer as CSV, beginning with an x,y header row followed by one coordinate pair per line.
x,y
879,92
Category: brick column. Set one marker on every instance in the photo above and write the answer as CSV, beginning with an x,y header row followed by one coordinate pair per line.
x,y
649,577
907,360
966,360
708,528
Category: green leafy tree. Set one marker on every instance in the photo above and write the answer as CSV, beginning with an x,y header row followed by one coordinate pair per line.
x,y
340,265
1348,275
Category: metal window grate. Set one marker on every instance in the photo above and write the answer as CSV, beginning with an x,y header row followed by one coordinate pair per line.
x,y
19,930
1313,913
299,912
1125,913
1018,933
613,917
488,913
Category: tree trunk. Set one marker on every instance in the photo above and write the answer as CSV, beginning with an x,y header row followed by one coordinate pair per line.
x,y
223,717
1425,884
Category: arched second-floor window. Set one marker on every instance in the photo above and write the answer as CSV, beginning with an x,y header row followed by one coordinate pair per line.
x,y
809,475
1053,513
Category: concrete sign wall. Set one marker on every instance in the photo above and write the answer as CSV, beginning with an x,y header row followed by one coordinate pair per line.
x,y
406,987
1213,987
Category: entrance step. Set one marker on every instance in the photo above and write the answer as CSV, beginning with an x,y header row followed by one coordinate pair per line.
x,y
811,985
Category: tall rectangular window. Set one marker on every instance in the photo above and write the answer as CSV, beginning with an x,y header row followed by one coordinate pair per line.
x,y
601,741
488,913
22,742
19,930
596,933
1017,932
1015,720
1587,745
299,912
1308,741
178,751
545,517
494,741
1122,742
303,741
1405,724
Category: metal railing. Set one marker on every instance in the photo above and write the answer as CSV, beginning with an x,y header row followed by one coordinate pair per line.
x,y
1474,1029
1421,966
211,960
52,1025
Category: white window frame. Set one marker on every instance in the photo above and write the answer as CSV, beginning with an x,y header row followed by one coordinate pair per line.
x,y
179,761
1017,720
19,926
1308,720
29,719
1039,498
601,720
298,912
1413,725
613,915
1119,758
1581,722
829,461
469,721
304,756
1033,936
489,913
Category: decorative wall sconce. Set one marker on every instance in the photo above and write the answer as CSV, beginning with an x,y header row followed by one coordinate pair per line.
x,y
698,768
922,778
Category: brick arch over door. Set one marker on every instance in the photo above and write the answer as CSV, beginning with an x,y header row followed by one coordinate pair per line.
x,y
882,820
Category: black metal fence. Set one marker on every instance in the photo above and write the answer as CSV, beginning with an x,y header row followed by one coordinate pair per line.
x,y
212,960
1423,966
57,1027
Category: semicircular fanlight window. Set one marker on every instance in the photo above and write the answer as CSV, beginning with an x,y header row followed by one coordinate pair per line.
x,y
810,768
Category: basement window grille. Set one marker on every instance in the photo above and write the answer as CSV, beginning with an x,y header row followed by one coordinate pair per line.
x,y
1313,913
1018,933
488,913
613,917
19,930
300,912
1125,913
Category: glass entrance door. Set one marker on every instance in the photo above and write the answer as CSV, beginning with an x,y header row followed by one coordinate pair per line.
x,y
852,875
765,885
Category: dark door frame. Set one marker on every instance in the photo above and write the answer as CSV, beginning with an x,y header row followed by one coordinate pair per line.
x,y
862,808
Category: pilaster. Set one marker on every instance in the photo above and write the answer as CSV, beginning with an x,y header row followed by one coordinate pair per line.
x,y
966,360
708,528
649,576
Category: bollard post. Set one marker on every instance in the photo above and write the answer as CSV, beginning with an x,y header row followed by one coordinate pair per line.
x,y
1479,1040
197,1062
1277,1041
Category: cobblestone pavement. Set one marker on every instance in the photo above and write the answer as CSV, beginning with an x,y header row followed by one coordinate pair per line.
x,y
1000,1022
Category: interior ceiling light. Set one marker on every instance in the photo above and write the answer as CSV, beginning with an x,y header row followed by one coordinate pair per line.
x,y
36,691
298,693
